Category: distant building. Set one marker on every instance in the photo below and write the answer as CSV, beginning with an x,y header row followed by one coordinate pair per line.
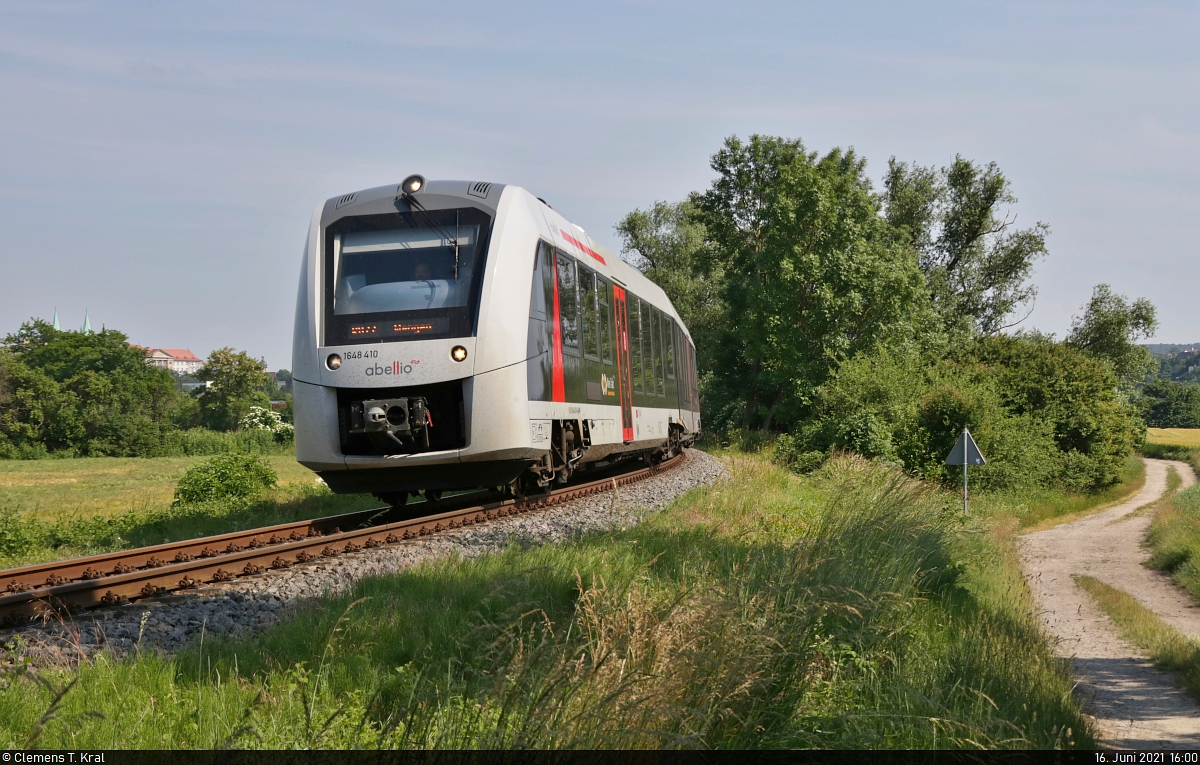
x,y
179,360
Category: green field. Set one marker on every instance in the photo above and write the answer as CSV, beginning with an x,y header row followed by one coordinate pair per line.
x,y
1188,437
61,508
108,485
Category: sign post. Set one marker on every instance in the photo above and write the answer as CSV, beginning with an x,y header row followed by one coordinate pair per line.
x,y
964,453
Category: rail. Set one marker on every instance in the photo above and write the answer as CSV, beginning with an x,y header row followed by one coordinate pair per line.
x,y
121,577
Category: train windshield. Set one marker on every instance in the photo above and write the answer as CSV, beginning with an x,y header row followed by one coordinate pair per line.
x,y
404,275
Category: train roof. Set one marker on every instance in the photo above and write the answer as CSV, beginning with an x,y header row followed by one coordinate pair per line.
x,y
488,196
610,264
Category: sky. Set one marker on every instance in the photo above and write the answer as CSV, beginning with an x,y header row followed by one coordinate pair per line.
x,y
159,162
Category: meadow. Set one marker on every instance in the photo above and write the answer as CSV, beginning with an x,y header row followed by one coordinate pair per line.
x,y
1185,437
852,608
59,508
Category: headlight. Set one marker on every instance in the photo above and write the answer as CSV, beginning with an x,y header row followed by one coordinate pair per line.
x,y
412,184
458,353
334,361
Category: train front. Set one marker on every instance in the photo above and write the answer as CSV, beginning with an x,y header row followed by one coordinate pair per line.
x,y
385,338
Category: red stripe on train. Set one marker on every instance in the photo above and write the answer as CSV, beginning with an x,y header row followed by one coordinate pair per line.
x,y
558,387
583,247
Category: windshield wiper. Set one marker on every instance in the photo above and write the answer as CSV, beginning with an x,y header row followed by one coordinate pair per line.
x,y
418,209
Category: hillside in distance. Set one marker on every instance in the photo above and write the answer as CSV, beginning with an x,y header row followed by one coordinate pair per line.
x,y
1162,349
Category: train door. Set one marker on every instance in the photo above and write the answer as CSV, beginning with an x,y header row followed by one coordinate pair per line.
x,y
624,383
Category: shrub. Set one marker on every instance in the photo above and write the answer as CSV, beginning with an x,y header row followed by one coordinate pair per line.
x,y
229,476
19,533
1042,413
790,453
262,418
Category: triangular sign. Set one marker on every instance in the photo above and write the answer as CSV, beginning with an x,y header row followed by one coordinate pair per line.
x,y
965,452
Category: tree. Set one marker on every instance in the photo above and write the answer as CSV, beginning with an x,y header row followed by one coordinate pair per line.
x,y
668,245
1170,404
812,275
237,383
91,393
283,379
1108,329
976,262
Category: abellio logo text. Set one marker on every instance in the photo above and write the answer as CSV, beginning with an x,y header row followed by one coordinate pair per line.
x,y
396,368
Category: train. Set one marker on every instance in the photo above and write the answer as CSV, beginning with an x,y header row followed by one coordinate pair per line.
x,y
454,335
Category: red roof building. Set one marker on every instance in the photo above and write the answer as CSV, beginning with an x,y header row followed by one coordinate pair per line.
x,y
179,360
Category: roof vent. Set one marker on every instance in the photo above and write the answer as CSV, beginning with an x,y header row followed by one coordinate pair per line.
x,y
343,201
479,189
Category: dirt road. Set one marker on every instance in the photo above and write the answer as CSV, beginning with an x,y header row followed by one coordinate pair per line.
x,y
1135,705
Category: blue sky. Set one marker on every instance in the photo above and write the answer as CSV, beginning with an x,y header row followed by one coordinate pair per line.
x,y
159,161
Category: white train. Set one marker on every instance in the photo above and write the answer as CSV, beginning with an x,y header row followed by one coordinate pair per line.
x,y
453,334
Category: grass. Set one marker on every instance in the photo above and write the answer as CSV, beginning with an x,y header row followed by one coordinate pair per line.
x,y
51,509
1168,647
1034,509
54,488
1174,481
850,609
1174,539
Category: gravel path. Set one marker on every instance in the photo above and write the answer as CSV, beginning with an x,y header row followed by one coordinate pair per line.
x,y
1135,705
251,603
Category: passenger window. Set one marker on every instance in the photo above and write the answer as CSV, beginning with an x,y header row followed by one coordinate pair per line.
x,y
568,303
587,313
635,343
542,280
605,321
648,348
669,335
656,325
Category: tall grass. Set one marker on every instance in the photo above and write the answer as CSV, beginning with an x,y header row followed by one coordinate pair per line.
x,y
850,609
189,442
201,442
1174,539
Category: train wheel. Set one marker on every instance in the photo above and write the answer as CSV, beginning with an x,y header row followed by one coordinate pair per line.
x,y
432,496
397,499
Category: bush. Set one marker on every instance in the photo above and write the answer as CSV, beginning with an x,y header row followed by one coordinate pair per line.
x,y
231,476
1042,413
262,418
790,453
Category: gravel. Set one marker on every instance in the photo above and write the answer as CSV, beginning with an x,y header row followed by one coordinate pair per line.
x,y
244,605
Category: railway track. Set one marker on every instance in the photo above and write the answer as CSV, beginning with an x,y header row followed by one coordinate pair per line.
x,y
122,577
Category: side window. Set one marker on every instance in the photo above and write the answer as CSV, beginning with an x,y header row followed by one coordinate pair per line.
x,y
568,303
656,323
542,281
669,333
648,347
605,321
635,342
587,313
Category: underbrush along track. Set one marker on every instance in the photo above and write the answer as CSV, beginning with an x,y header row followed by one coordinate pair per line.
x,y
146,572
